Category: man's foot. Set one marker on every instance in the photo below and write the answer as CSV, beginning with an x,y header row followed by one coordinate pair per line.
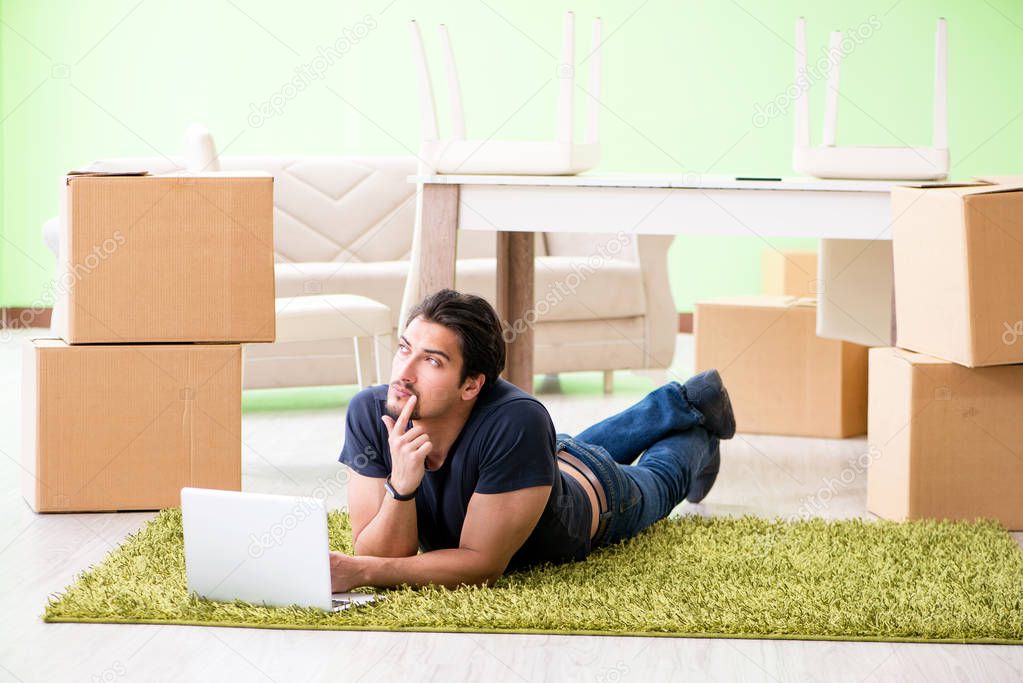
x,y
707,394
703,482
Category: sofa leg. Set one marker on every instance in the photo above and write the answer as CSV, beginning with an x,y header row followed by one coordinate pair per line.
x,y
550,384
609,382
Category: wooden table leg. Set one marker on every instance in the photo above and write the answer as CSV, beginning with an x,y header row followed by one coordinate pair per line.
x,y
439,238
515,304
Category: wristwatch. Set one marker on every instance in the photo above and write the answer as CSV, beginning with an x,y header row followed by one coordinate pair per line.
x,y
394,494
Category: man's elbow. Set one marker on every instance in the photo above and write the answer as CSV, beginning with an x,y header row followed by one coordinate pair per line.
x,y
492,578
477,579
490,572
366,548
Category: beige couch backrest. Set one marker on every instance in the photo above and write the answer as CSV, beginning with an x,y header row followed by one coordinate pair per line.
x,y
362,209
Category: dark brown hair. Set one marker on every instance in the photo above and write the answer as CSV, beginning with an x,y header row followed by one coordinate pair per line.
x,y
474,321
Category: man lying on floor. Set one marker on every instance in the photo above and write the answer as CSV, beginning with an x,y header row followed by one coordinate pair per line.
x,y
452,459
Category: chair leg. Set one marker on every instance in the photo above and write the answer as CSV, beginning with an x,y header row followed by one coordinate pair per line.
x,y
609,382
378,344
364,360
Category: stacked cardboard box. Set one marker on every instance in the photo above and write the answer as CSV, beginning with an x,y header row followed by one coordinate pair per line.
x,y
791,272
782,378
945,427
160,278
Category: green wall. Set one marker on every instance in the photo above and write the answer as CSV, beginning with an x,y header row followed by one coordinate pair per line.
x,y
683,80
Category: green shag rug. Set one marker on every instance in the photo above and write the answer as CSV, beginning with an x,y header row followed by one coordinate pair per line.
x,y
689,576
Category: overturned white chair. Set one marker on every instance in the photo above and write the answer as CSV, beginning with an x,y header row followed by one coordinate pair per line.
x,y
563,155
830,160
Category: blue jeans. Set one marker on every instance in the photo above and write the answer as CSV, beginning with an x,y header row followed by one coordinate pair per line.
x,y
667,430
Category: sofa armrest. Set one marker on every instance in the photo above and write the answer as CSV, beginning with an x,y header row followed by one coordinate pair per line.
x,y
661,319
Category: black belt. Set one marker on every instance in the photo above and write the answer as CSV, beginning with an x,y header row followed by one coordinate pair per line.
x,y
598,489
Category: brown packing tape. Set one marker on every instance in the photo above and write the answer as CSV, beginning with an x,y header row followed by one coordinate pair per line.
x,y
188,429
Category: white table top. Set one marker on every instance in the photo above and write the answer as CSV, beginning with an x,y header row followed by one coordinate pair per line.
x,y
652,180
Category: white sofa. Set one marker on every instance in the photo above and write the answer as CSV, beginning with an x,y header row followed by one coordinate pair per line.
x,y
343,224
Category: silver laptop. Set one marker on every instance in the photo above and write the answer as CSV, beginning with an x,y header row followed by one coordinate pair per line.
x,y
260,548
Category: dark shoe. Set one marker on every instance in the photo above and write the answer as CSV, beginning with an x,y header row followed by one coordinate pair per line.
x,y
707,394
703,482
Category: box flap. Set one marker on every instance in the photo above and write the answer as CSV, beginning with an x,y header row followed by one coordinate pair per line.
x,y
980,185
1013,180
46,342
911,357
929,184
101,167
72,174
1005,183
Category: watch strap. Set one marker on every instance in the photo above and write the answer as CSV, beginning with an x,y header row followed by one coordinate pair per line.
x,y
394,493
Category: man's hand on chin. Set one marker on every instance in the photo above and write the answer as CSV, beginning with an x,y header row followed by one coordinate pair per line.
x,y
344,572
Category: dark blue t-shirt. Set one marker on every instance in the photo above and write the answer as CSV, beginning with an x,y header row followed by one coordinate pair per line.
x,y
506,444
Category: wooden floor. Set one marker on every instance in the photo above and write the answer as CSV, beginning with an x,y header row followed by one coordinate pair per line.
x,y
296,452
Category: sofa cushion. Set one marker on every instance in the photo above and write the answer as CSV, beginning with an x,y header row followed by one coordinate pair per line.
x,y
330,316
383,281
566,287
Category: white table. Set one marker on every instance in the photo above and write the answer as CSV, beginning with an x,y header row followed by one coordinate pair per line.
x,y
517,206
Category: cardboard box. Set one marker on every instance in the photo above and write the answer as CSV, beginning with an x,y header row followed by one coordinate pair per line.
x,y
788,273
957,253
946,441
125,427
782,378
166,258
854,299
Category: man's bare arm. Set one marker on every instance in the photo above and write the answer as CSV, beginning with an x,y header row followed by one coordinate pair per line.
x,y
496,525
381,525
